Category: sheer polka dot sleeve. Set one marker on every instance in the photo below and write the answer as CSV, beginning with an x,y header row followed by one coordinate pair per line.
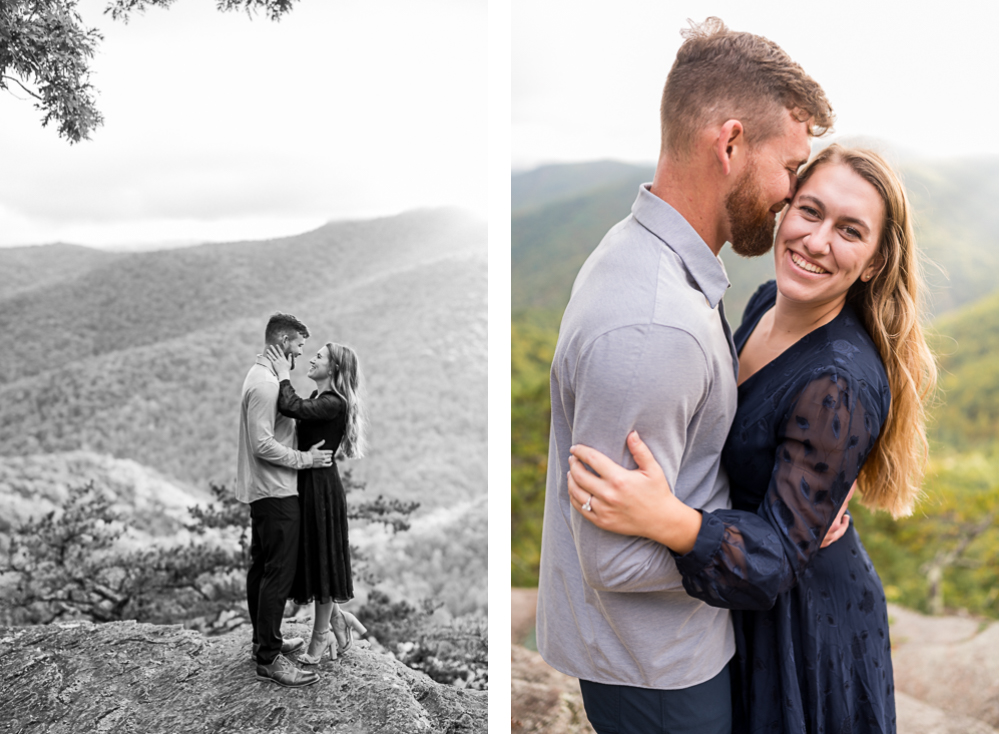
x,y
744,560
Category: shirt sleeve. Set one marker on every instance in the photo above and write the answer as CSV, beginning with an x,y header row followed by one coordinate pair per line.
x,y
323,407
653,379
743,560
261,410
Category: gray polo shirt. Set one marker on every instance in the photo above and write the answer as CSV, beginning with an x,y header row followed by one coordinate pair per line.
x,y
643,345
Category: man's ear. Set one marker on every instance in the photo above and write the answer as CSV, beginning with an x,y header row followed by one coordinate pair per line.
x,y
729,144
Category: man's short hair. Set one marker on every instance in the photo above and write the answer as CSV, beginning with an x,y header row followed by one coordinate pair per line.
x,y
281,324
722,75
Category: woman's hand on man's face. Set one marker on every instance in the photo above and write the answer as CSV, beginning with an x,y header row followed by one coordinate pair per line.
x,y
278,361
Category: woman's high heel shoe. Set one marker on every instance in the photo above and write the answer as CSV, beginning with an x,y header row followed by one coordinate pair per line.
x,y
344,632
328,645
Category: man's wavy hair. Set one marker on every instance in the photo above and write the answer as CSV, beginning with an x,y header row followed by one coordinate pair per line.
x,y
281,324
722,75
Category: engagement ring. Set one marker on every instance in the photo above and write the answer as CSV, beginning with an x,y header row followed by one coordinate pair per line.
x,y
587,506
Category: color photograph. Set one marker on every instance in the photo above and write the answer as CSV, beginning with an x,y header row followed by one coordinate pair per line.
x,y
754,258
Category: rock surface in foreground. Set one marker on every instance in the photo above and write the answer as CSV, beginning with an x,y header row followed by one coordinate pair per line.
x,y
128,677
945,670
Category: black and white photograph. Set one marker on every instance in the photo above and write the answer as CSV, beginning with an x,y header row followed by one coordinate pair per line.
x,y
754,273
243,402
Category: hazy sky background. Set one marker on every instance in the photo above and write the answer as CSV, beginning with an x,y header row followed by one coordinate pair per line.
x,y
219,127
586,78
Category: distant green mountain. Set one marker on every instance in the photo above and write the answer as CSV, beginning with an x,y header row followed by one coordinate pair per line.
x,y
31,486
547,184
549,243
142,357
32,268
967,348
562,212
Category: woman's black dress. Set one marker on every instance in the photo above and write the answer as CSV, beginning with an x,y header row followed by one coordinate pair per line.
x,y
324,564
813,642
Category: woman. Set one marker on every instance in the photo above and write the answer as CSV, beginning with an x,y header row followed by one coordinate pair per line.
x,y
334,415
833,373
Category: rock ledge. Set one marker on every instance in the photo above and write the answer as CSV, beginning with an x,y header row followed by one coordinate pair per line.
x,y
126,677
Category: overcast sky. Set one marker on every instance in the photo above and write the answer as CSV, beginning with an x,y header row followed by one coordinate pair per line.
x,y
587,77
219,127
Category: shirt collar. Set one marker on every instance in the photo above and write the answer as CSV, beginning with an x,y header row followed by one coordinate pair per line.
x,y
266,363
664,222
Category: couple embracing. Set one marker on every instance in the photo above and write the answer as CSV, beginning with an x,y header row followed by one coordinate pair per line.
x,y
299,547
719,586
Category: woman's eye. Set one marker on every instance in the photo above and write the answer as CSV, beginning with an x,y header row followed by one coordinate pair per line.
x,y
809,211
852,233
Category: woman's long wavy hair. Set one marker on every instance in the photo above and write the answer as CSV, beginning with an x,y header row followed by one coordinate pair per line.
x,y
349,384
890,305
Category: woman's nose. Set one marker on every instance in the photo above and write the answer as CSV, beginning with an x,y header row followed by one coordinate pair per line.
x,y
818,241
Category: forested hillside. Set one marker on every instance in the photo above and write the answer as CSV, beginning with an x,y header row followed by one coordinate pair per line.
x,y
560,214
143,356
945,556
31,486
29,268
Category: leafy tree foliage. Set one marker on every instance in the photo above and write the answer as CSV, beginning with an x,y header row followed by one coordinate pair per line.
x,y
77,564
45,50
532,348
945,556
454,654
274,9
71,564
966,345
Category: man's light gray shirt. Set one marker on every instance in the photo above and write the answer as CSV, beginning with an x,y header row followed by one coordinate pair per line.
x,y
643,345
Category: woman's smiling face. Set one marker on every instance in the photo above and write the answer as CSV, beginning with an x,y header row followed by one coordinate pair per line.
x,y
828,237
319,366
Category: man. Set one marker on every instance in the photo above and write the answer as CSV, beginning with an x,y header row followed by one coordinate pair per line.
x,y
266,479
644,345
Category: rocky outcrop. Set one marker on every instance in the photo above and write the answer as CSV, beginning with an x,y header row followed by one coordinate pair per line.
x,y
543,699
914,716
126,677
948,662
945,670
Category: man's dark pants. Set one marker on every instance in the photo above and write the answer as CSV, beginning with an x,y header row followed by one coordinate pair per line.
x,y
274,548
702,709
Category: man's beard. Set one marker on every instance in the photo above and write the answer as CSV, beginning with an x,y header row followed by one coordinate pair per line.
x,y
751,228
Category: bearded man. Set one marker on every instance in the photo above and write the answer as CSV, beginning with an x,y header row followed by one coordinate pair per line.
x,y
644,345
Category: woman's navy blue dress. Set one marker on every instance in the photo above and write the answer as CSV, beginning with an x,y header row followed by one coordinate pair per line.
x,y
323,572
813,637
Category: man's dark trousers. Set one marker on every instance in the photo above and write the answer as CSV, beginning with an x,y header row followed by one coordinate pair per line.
x,y
274,548
702,709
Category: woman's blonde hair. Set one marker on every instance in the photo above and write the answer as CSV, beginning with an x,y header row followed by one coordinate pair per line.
x,y
349,384
889,305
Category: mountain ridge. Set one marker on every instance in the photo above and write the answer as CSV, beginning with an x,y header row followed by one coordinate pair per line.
x,y
953,201
143,357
